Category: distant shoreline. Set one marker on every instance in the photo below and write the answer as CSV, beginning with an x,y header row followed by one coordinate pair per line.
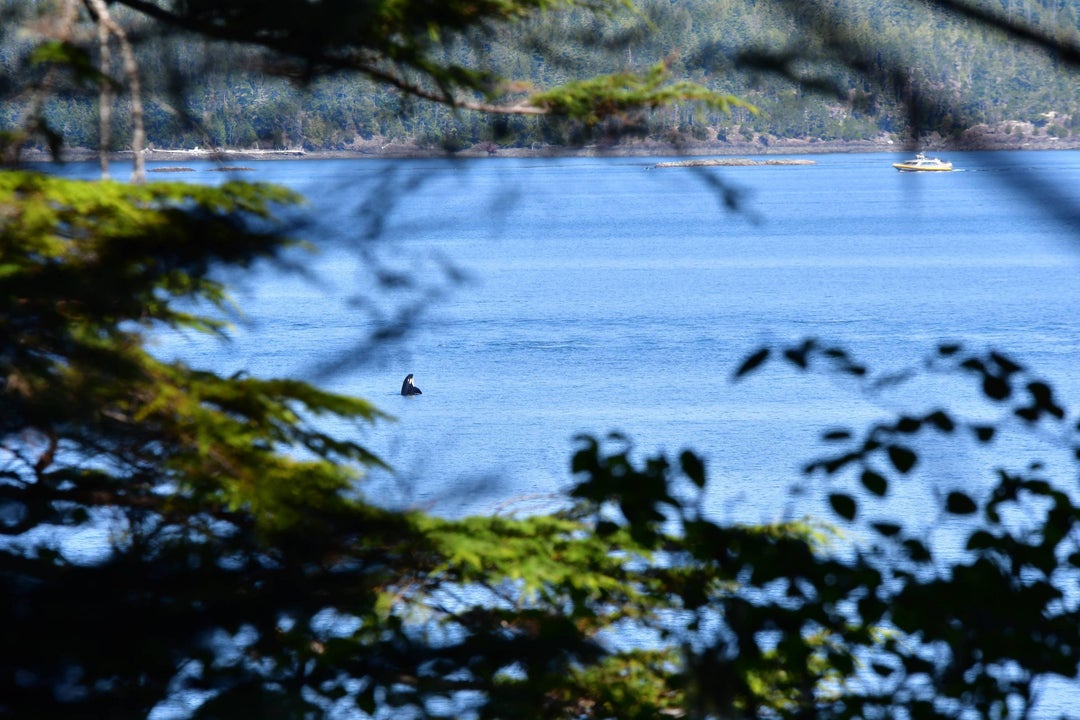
x,y
974,140
729,162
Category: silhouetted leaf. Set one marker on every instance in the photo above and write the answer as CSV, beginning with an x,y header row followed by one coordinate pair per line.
x,y
917,550
985,433
981,540
882,670
974,364
693,468
753,362
836,435
886,529
959,503
996,388
1007,366
1029,412
843,505
908,425
874,482
941,421
1044,399
902,458
843,362
797,357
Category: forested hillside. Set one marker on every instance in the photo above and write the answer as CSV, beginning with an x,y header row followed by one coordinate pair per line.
x,y
977,80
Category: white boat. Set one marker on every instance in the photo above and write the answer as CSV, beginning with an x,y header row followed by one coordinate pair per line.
x,y
923,163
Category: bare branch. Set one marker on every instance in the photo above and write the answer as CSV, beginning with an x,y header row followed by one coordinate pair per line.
x,y
1067,51
131,72
105,101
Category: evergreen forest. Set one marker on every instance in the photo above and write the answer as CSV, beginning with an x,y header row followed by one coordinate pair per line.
x,y
774,56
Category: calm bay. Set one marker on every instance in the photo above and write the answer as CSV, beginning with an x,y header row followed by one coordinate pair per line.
x,y
604,294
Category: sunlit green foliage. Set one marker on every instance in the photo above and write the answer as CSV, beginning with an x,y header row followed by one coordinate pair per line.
x,y
85,270
597,98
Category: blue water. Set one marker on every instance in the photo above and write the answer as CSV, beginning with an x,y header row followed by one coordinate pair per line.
x,y
604,295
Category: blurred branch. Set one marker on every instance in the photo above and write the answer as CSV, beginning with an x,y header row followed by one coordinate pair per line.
x,y
1064,50
33,120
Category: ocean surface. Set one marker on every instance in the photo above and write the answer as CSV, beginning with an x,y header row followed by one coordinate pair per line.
x,y
546,298
535,300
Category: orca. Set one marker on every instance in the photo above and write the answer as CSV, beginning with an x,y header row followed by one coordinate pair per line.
x,y
407,387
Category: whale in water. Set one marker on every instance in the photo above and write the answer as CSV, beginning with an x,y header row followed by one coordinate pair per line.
x,y
407,387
